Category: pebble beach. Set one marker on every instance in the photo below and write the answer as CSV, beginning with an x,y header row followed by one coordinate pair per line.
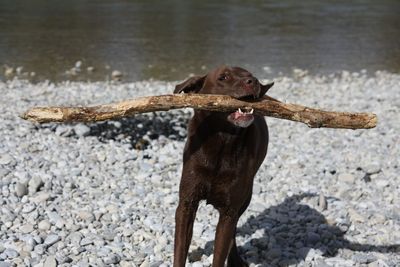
x,y
104,194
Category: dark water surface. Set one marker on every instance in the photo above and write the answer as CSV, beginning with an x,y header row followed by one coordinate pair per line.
x,y
170,39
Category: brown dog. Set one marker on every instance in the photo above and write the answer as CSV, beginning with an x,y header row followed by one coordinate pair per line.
x,y
222,155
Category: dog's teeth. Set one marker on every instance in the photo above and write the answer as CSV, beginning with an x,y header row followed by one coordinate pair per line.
x,y
251,111
240,111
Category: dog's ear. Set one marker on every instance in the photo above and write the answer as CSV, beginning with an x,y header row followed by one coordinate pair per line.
x,y
191,85
265,88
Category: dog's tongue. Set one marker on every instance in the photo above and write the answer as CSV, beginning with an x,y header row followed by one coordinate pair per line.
x,y
241,119
238,115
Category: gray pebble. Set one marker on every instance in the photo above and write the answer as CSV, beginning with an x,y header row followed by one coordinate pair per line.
x,y
44,225
320,263
355,216
6,159
86,241
61,258
21,189
86,216
78,64
4,172
103,251
54,217
379,263
98,242
34,184
363,258
81,130
40,197
156,264
381,183
197,264
257,207
50,261
63,130
38,239
145,264
26,228
302,252
77,250
322,202
51,239
11,253
29,207
274,253
372,168
313,238
112,259
347,178
40,249
116,74
74,238
5,264
108,235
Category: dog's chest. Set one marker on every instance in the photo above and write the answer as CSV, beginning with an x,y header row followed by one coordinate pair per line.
x,y
223,154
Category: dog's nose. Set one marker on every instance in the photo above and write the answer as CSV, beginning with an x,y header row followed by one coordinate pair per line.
x,y
249,85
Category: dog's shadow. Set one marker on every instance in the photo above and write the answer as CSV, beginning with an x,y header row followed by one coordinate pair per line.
x,y
286,234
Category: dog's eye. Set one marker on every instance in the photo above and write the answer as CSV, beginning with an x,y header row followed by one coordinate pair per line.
x,y
222,77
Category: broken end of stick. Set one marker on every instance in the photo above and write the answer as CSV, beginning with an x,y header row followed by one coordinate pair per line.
x,y
373,121
42,115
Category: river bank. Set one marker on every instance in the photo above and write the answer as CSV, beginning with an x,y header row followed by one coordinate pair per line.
x,y
106,193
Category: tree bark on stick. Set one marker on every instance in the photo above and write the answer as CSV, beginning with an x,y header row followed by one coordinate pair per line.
x,y
267,106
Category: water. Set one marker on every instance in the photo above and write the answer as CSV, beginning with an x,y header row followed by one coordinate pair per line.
x,y
168,40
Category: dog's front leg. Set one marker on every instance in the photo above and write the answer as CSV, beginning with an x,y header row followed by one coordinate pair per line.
x,y
224,238
184,218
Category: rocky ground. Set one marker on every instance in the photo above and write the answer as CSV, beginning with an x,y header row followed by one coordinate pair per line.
x,y
105,194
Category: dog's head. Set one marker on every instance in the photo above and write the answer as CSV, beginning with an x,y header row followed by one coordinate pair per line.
x,y
232,81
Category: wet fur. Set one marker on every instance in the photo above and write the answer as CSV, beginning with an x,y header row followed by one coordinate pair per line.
x,y
220,161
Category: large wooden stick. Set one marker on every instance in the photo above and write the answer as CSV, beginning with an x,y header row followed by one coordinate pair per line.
x,y
267,106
